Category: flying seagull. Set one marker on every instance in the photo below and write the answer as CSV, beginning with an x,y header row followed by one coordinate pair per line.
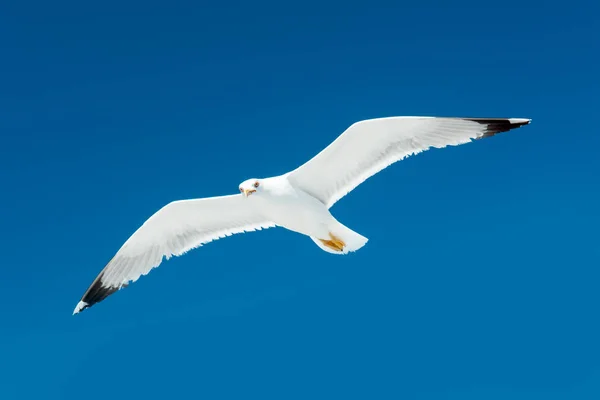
x,y
298,200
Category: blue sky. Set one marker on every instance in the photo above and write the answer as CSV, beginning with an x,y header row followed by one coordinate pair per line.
x,y
480,279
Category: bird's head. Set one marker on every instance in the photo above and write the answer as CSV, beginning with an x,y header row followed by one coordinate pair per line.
x,y
250,186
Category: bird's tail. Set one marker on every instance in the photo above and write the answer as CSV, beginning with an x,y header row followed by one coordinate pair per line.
x,y
341,240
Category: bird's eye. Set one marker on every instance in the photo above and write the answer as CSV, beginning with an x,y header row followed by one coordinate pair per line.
x,y
241,190
256,184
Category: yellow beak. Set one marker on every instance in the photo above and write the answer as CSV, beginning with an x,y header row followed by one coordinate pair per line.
x,y
248,192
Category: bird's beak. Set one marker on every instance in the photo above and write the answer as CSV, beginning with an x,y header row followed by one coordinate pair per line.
x,y
248,192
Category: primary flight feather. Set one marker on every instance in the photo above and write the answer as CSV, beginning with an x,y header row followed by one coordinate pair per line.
x,y
298,201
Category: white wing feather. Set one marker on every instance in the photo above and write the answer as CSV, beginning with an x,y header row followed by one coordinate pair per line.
x,y
172,231
369,146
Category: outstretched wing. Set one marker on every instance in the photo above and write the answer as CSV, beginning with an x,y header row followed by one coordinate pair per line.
x,y
369,146
173,230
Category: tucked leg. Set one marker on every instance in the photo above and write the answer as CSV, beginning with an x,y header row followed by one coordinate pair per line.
x,y
334,243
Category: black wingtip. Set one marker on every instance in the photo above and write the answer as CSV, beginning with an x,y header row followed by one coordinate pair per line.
x,y
498,125
95,294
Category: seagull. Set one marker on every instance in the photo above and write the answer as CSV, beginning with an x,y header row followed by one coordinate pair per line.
x,y
298,200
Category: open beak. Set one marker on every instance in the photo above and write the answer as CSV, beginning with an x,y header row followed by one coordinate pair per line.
x,y
248,192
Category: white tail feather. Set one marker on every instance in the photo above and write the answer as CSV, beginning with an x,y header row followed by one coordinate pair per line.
x,y
353,241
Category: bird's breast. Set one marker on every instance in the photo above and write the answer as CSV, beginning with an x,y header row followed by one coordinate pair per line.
x,y
294,211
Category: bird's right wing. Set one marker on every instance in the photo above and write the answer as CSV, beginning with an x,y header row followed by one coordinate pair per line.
x,y
173,230
369,146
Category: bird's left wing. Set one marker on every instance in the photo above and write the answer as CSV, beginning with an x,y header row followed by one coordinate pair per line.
x,y
173,230
367,147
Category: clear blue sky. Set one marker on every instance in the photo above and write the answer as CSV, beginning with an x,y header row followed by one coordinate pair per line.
x,y
481,276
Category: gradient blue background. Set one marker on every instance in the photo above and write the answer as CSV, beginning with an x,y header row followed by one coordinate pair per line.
x,y
480,280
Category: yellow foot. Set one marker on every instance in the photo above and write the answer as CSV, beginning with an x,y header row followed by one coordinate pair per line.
x,y
335,244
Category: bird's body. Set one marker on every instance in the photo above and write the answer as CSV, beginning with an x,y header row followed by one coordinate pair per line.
x,y
299,201
292,208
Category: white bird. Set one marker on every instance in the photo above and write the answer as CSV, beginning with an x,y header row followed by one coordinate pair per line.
x,y
298,200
